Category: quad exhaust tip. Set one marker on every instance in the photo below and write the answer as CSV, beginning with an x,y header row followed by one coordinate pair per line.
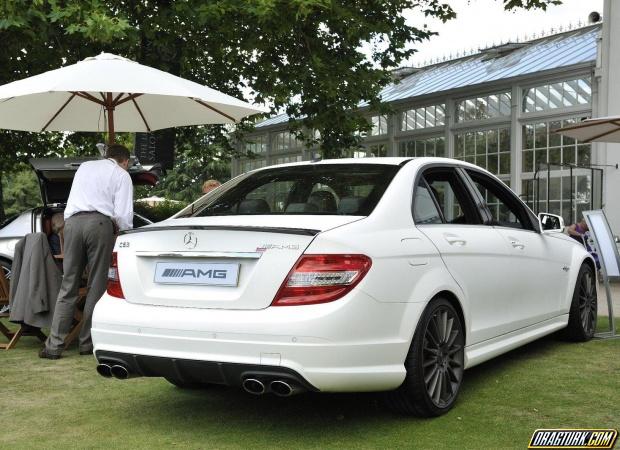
x,y
283,388
119,372
254,386
104,370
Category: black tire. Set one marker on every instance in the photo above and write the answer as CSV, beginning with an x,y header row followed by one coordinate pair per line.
x,y
583,308
434,364
186,384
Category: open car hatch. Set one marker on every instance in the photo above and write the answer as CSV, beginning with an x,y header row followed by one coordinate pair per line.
x,y
56,176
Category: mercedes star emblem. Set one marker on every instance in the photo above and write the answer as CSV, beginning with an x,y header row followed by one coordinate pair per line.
x,y
190,240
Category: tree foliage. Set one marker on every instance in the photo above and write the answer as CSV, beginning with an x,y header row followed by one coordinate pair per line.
x,y
306,57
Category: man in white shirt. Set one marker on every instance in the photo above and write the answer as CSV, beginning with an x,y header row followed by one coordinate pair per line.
x,y
100,203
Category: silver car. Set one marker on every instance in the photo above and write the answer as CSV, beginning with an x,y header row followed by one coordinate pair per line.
x,y
55,177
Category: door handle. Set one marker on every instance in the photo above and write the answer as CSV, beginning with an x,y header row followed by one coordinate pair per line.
x,y
455,240
517,244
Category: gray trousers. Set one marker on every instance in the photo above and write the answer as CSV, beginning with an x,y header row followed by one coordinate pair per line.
x,y
88,242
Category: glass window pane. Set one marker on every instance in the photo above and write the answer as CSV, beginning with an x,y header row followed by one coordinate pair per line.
x,y
540,157
493,106
430,116
566,188
584,90
481,108
492,141
459,145
419,118
470,144
440,148
565,139
568,154
440,115
481,143
583,154
542,98
460,111
528,161
402,149
540,135
529,103
555,139
555,155
424,208
420,148
570,93
470,109
528,136
481,161
504,164
383,125
555,95
504,140
504,105
492,163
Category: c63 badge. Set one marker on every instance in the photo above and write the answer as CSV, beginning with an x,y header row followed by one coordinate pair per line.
x,y
574,438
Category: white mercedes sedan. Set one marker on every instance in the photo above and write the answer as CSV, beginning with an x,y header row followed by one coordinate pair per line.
x,y
383,274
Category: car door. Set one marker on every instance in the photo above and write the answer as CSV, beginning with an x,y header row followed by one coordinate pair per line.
x,y
539,262
475,255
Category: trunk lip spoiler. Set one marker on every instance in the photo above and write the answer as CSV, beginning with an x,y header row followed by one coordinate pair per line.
x,y
282,230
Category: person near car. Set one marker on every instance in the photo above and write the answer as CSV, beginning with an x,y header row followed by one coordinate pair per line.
x,y
56,236
100,203
209,185
578,230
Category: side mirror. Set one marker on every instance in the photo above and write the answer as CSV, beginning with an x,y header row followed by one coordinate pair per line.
x,y
550,223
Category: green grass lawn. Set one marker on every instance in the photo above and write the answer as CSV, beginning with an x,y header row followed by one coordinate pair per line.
x,y
65,404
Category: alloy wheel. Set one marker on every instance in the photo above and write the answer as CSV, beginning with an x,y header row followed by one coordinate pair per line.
x,y
443,356
587,302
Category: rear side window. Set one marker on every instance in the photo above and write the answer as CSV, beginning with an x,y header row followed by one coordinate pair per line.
x,y
446,191
425,209
326,189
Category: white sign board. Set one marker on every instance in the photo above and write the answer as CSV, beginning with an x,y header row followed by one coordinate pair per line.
x,y
604,240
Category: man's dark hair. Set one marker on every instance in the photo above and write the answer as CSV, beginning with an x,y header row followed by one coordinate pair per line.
x,y
117,152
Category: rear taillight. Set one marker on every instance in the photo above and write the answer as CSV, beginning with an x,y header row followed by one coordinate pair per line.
x,y
114,280
321,279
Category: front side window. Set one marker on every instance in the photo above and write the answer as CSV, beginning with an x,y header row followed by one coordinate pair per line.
x,y
506,210
327,189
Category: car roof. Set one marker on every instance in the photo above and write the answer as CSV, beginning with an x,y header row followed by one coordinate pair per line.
x,y
394,161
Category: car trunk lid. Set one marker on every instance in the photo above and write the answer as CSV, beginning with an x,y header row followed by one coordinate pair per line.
x,y
215,262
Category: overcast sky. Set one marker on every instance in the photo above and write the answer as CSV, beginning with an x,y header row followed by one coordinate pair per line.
x,y
479,23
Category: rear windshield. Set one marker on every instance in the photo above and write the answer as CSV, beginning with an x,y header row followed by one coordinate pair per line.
x,y
336,189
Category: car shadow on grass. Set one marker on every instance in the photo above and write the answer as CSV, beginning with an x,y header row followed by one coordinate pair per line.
x,y
317,413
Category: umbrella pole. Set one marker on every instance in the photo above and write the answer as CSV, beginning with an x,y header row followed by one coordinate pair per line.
x,y
110,108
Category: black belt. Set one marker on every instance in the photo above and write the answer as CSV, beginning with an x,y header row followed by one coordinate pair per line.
x,y
83,213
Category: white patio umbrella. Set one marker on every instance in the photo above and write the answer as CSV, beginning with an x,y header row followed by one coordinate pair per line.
x,y
601,129
114,94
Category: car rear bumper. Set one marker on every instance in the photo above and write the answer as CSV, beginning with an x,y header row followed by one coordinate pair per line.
x,y
349,345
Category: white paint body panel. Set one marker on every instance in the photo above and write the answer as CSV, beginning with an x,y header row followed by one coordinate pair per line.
x,y
508,295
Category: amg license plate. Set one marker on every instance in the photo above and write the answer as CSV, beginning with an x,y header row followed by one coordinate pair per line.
x,y
209,274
